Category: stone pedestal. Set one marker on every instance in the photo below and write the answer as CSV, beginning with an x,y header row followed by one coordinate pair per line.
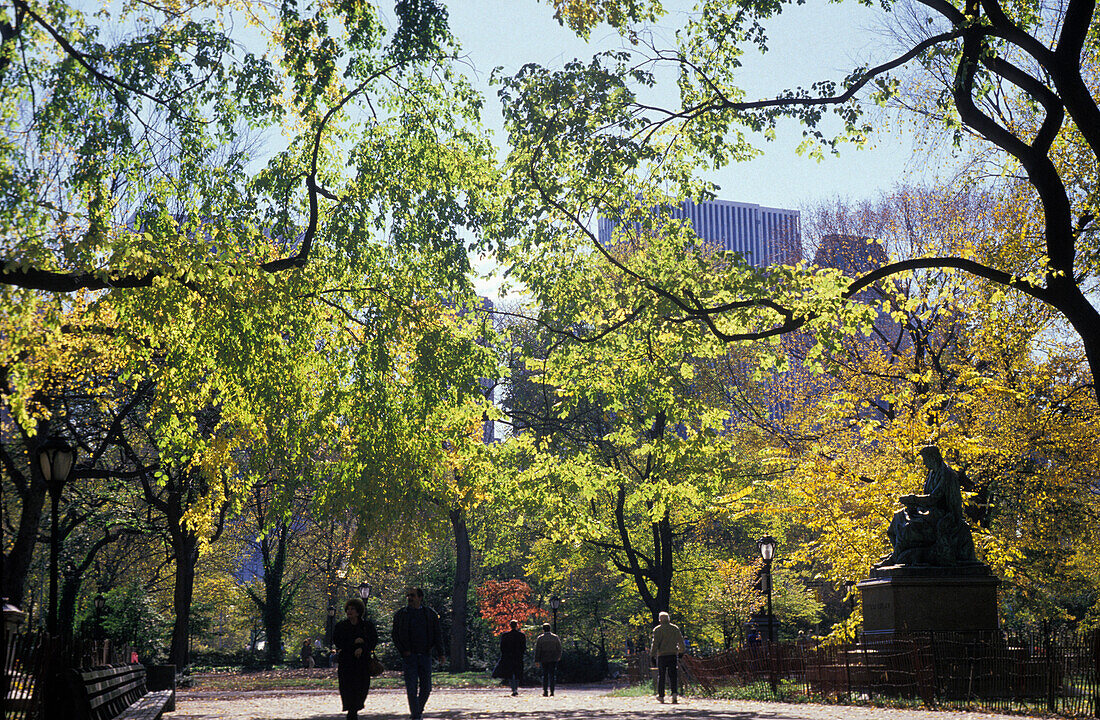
x,y
903,599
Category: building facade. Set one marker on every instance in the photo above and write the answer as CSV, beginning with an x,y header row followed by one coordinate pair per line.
x,y
762,235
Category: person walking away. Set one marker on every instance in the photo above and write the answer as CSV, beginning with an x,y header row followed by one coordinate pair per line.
x,y
355,637
416,633
306,654
666,646
513,645
547,656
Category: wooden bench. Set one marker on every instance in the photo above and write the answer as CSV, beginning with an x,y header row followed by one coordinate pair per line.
x,y
118,692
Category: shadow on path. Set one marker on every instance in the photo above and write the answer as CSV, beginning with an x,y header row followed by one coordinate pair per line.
x,y
681,712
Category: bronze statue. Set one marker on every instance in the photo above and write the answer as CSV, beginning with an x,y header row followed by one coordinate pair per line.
x,y
930,529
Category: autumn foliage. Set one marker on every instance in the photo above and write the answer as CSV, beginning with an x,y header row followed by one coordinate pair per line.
x,y
501,601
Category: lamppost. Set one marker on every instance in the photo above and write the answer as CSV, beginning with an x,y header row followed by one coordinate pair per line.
x,y
364,590
766,546
555,603
100,602
329,623
55,457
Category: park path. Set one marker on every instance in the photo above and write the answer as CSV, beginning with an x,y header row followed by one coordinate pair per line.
x,y
568,704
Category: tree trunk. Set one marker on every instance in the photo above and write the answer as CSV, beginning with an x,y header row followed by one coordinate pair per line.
x,y
603,640
663,581
274,620
272,608
32,500
185,546
461,590
17,563
1085,319
66,603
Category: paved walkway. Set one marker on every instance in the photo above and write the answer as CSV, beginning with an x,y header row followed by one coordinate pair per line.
x,y
568,704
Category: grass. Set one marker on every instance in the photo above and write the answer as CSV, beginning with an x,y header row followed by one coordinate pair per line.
x,y
788,691
237,679
642,689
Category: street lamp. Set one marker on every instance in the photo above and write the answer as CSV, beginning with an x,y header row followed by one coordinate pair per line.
x,y
329,623
55,457
364,590
555,603
766,546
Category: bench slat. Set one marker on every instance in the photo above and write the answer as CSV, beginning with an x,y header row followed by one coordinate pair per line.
x,y
148,707
119,691
104,685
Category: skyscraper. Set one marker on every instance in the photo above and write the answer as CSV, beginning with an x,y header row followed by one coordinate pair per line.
x,y
763,235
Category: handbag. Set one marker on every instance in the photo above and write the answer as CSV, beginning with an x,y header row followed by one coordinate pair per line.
x,y
374,666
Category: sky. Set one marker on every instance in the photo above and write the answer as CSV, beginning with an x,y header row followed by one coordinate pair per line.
x,y
810,42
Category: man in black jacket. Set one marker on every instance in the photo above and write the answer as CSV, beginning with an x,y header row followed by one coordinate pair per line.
x,y
416,632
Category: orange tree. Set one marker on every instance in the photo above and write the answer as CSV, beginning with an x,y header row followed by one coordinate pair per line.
x,y
500,602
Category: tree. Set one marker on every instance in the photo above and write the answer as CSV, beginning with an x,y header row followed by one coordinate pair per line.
x,y
278,533
733,597
502,601
149,159
600,608
130,619
989,378
94,518
451,371
585,141
629,453
190,264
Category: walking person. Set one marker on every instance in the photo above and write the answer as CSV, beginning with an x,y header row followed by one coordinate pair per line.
x,y
355,637
306,654
513,646
547,656
667,646
416,633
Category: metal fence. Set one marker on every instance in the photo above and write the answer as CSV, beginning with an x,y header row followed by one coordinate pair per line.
x,y
1046,672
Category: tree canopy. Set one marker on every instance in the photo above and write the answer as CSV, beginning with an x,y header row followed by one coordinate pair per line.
x,y
1017,78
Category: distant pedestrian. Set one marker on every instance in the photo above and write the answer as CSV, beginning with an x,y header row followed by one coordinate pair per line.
x,y
306,654
667,646
355,637
547,656
513,646
416,633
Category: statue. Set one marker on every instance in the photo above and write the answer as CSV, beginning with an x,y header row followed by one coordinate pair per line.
x,y
930,529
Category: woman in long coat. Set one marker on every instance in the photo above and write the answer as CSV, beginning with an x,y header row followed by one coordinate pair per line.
x,y
355,638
